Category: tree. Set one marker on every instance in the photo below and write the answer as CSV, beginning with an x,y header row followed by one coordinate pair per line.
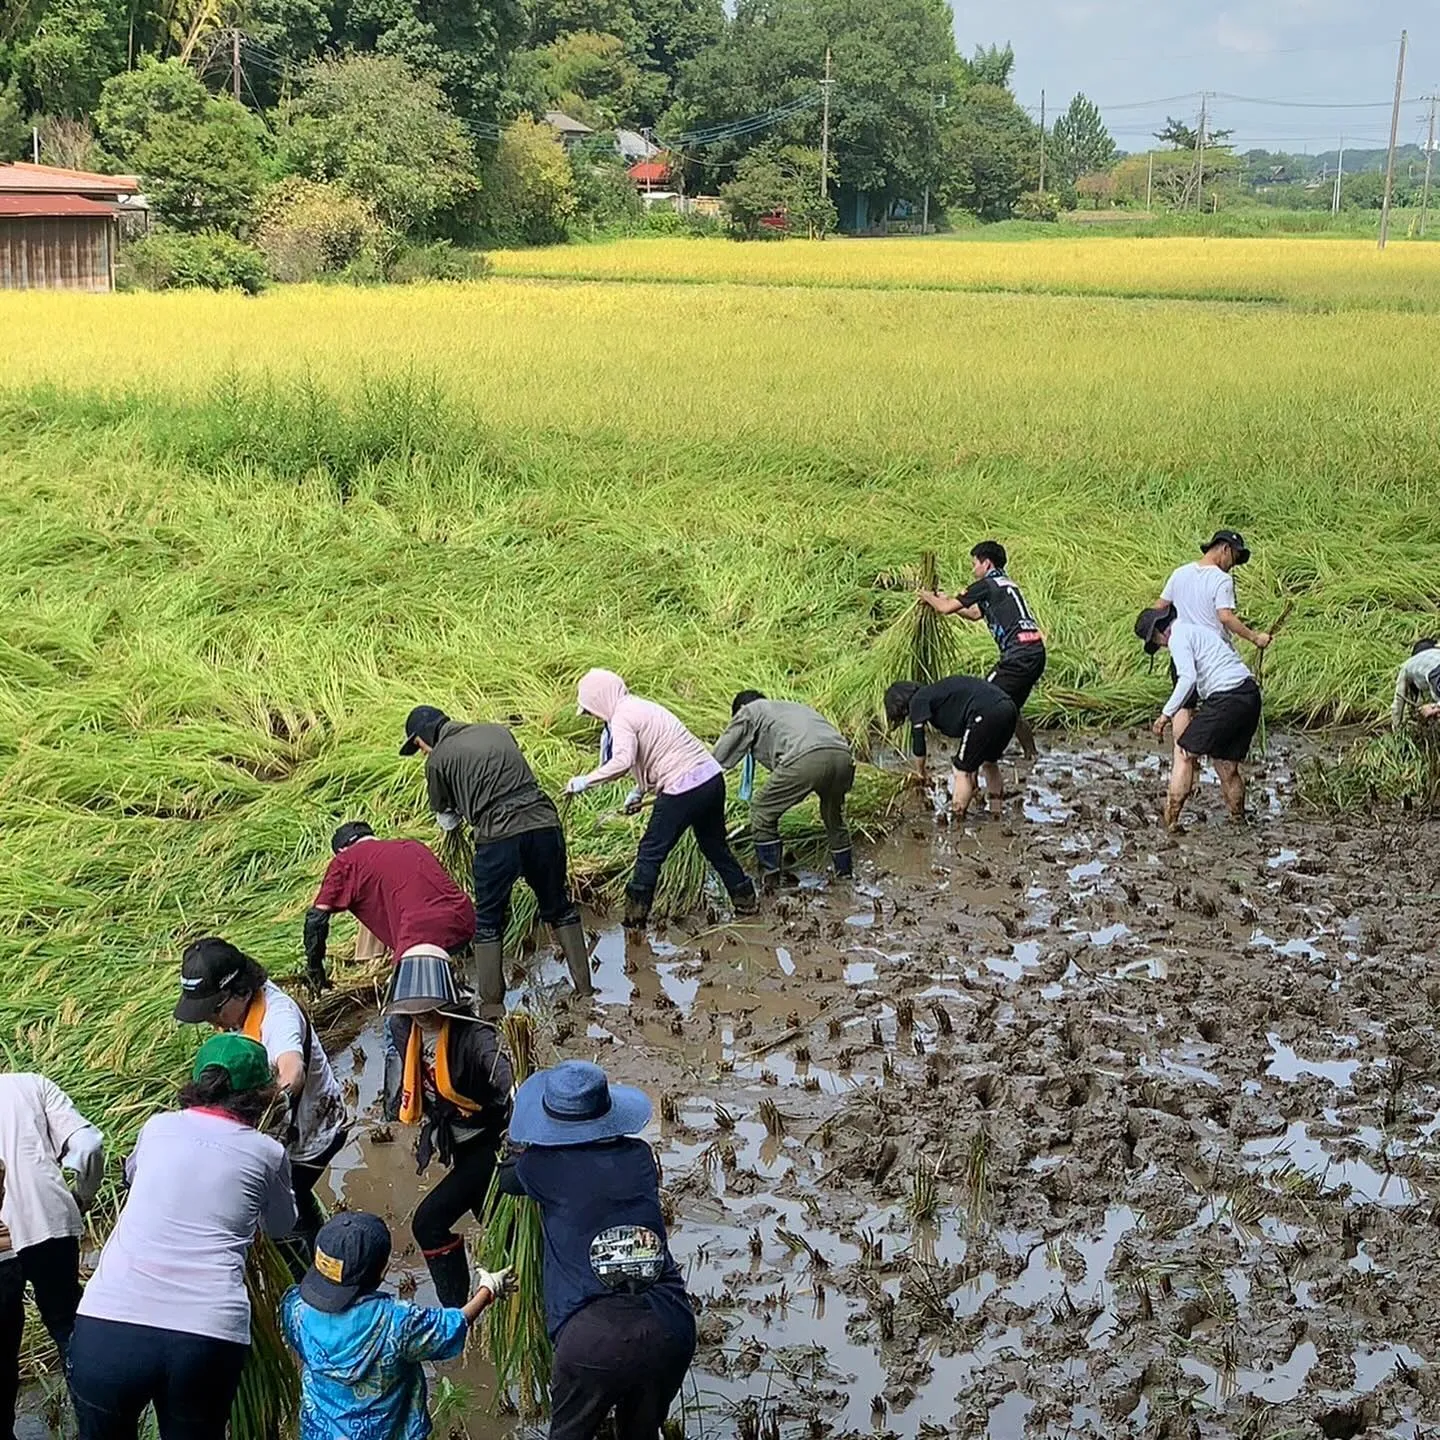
x,y
1082,144
1178,135
75,46
990,65
132,102
992,154
589,76
529,194
465,45
14,132
385,134
895,71
203,175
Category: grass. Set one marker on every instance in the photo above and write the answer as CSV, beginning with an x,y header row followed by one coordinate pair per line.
x,y
1323,274
240,538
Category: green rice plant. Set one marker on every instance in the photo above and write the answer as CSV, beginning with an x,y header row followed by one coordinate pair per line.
x,y
512,1234
268,1400
1392,768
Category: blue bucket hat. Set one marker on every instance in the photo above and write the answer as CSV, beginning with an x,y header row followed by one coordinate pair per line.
x,y
573,1104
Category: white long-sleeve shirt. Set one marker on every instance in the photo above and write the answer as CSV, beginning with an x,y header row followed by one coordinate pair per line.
x,y
1204,662
1419,679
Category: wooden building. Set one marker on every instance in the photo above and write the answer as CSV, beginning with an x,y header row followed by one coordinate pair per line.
x,y
59,228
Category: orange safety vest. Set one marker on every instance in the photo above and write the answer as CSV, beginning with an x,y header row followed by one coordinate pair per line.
x,y
412,1098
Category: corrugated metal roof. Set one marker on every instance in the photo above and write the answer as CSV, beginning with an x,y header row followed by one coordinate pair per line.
x,y
22,178
566,124
44,205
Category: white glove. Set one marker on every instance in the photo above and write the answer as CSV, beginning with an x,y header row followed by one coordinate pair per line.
x,y
498,1282
633,801
577,786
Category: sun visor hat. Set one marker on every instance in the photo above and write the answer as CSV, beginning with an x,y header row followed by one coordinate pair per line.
x,y
1234,539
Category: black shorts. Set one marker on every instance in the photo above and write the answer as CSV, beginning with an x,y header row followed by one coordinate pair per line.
x,y
1192,700
986,736
1225,724
1019,671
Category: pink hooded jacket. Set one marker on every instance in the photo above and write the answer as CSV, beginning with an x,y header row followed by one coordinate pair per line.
x,y
645,738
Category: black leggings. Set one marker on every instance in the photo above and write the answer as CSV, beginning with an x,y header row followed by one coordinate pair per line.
x,y
52,1268
620,1353
464,1187
117,1369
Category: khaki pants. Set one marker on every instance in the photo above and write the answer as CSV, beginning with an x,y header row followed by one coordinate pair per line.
x,y
830,774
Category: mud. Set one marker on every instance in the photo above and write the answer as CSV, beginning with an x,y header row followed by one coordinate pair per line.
x,y
1046,1126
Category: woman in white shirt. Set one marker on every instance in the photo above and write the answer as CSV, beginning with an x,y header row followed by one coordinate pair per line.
x,y
222,986
42,1134
165,1320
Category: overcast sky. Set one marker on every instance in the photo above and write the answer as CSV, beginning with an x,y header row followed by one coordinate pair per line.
x,y
1326,53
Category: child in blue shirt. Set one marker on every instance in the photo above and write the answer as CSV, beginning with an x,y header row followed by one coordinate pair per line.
x,y
361,1353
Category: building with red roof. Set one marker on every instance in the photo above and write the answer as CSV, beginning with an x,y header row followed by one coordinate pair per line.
x,y
59,229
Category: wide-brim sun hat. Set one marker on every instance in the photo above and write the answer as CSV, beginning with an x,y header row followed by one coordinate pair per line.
x,y
574,1103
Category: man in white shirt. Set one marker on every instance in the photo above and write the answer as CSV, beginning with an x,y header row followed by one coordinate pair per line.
x,y
1229,712
1419,683
222,986
41,1134
1203,594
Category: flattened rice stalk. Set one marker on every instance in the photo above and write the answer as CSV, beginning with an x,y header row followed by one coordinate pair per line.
x,y
515,1335
268,1401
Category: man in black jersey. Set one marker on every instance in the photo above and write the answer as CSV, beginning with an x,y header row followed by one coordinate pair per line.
x,y
981,716
996,599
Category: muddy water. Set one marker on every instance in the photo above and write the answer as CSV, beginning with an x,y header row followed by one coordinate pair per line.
x,y
1046,1126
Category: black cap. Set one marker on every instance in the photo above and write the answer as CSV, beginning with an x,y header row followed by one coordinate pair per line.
x,y
423,723
1149,621
1421,646
348,834
1234,539
351,1253
209,968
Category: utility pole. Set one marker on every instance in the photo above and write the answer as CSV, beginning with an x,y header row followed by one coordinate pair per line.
x,y
1149,181
35,144
1429,162
825,129
1339,176
1200,151
235,63
1042,142
1394,135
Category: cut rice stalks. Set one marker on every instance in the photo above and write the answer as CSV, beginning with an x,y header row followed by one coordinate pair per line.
x,y
515,1335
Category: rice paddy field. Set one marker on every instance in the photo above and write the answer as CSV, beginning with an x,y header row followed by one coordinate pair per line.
x,y
240,538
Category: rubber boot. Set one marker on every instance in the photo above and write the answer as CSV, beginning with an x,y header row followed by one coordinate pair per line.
x,y
746,901
637,909
570,937
844,863
768,855
450,1271
489,976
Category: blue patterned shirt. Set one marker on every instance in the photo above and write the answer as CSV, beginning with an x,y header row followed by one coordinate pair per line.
x,y
361,1375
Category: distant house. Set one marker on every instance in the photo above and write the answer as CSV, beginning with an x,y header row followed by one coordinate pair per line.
x,y
59,228
571,131
650,174
635,147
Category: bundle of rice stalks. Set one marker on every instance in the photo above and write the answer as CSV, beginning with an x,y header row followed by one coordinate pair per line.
x,y
515,1336
268,1400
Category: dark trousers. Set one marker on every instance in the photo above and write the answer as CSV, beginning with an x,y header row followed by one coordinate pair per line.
x,y
619,1353
304,1177
701,810
464,1188
539,856
52,1269
116,1370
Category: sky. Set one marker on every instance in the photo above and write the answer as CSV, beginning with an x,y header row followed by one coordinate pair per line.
x,y
1320,56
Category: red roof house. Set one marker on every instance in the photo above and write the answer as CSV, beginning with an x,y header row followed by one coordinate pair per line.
x,y
59,228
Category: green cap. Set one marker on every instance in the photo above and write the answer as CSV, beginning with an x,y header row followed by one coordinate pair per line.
x,y
242,1059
